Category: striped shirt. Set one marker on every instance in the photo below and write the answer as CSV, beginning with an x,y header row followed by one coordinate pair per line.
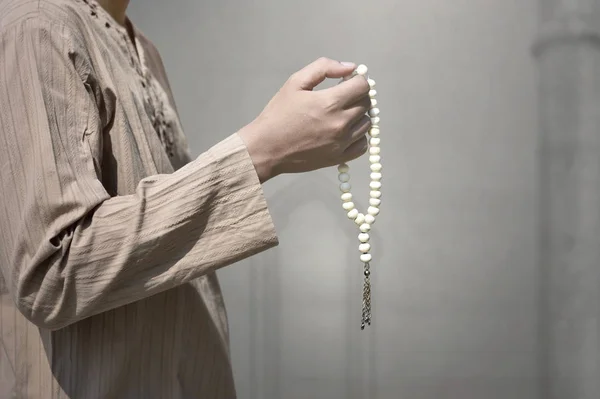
x,y
110,233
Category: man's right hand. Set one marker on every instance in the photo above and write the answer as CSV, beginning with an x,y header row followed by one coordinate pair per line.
x,y
301,130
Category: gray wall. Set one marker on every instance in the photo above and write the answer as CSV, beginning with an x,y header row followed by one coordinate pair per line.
x,y
455,305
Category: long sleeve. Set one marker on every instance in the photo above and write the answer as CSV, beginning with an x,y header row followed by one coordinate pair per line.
x,y
68,249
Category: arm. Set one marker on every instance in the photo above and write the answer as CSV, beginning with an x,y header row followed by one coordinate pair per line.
x,y
68,250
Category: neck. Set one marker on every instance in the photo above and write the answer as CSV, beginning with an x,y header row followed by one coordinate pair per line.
x,y
116,8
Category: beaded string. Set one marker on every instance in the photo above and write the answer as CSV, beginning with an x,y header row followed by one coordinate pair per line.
x,y
365,221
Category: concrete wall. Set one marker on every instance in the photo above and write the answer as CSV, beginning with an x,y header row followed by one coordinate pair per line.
x,y
454,274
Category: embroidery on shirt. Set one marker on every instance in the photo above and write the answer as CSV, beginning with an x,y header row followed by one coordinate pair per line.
x,y
156,101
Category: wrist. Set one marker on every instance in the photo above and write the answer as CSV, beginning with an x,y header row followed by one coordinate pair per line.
x,y
262,156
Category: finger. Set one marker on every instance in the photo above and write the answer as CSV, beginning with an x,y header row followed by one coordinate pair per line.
x,y
359,129
359,109
356,149
364,103
316,72
350,91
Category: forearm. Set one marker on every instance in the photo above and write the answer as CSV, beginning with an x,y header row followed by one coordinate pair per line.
x,y
209,214
70,250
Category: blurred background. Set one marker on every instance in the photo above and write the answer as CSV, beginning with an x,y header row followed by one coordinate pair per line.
x,y
467,248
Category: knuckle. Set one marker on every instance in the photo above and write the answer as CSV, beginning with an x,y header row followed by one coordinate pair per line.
x,y
293,77
330,102
360,87
322,64
324,101
338,126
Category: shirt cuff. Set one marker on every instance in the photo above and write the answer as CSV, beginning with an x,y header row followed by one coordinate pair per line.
x,y
243,203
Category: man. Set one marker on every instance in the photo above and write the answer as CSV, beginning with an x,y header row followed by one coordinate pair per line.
x,y
110,234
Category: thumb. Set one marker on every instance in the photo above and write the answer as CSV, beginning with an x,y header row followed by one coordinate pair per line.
x,y
316,72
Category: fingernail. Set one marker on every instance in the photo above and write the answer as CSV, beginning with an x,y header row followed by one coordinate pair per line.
x,y
348,64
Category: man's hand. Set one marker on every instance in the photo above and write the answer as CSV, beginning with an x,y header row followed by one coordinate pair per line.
x,y
302,130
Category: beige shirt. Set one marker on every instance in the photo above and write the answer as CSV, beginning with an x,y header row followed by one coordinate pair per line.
x,y
110,235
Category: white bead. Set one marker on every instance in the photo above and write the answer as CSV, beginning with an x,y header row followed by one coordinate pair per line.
x,y
366,258
353,213
360,219
375,185
348,205
364,248
373,112
344,177
361,70
374,150
364,221
376,167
